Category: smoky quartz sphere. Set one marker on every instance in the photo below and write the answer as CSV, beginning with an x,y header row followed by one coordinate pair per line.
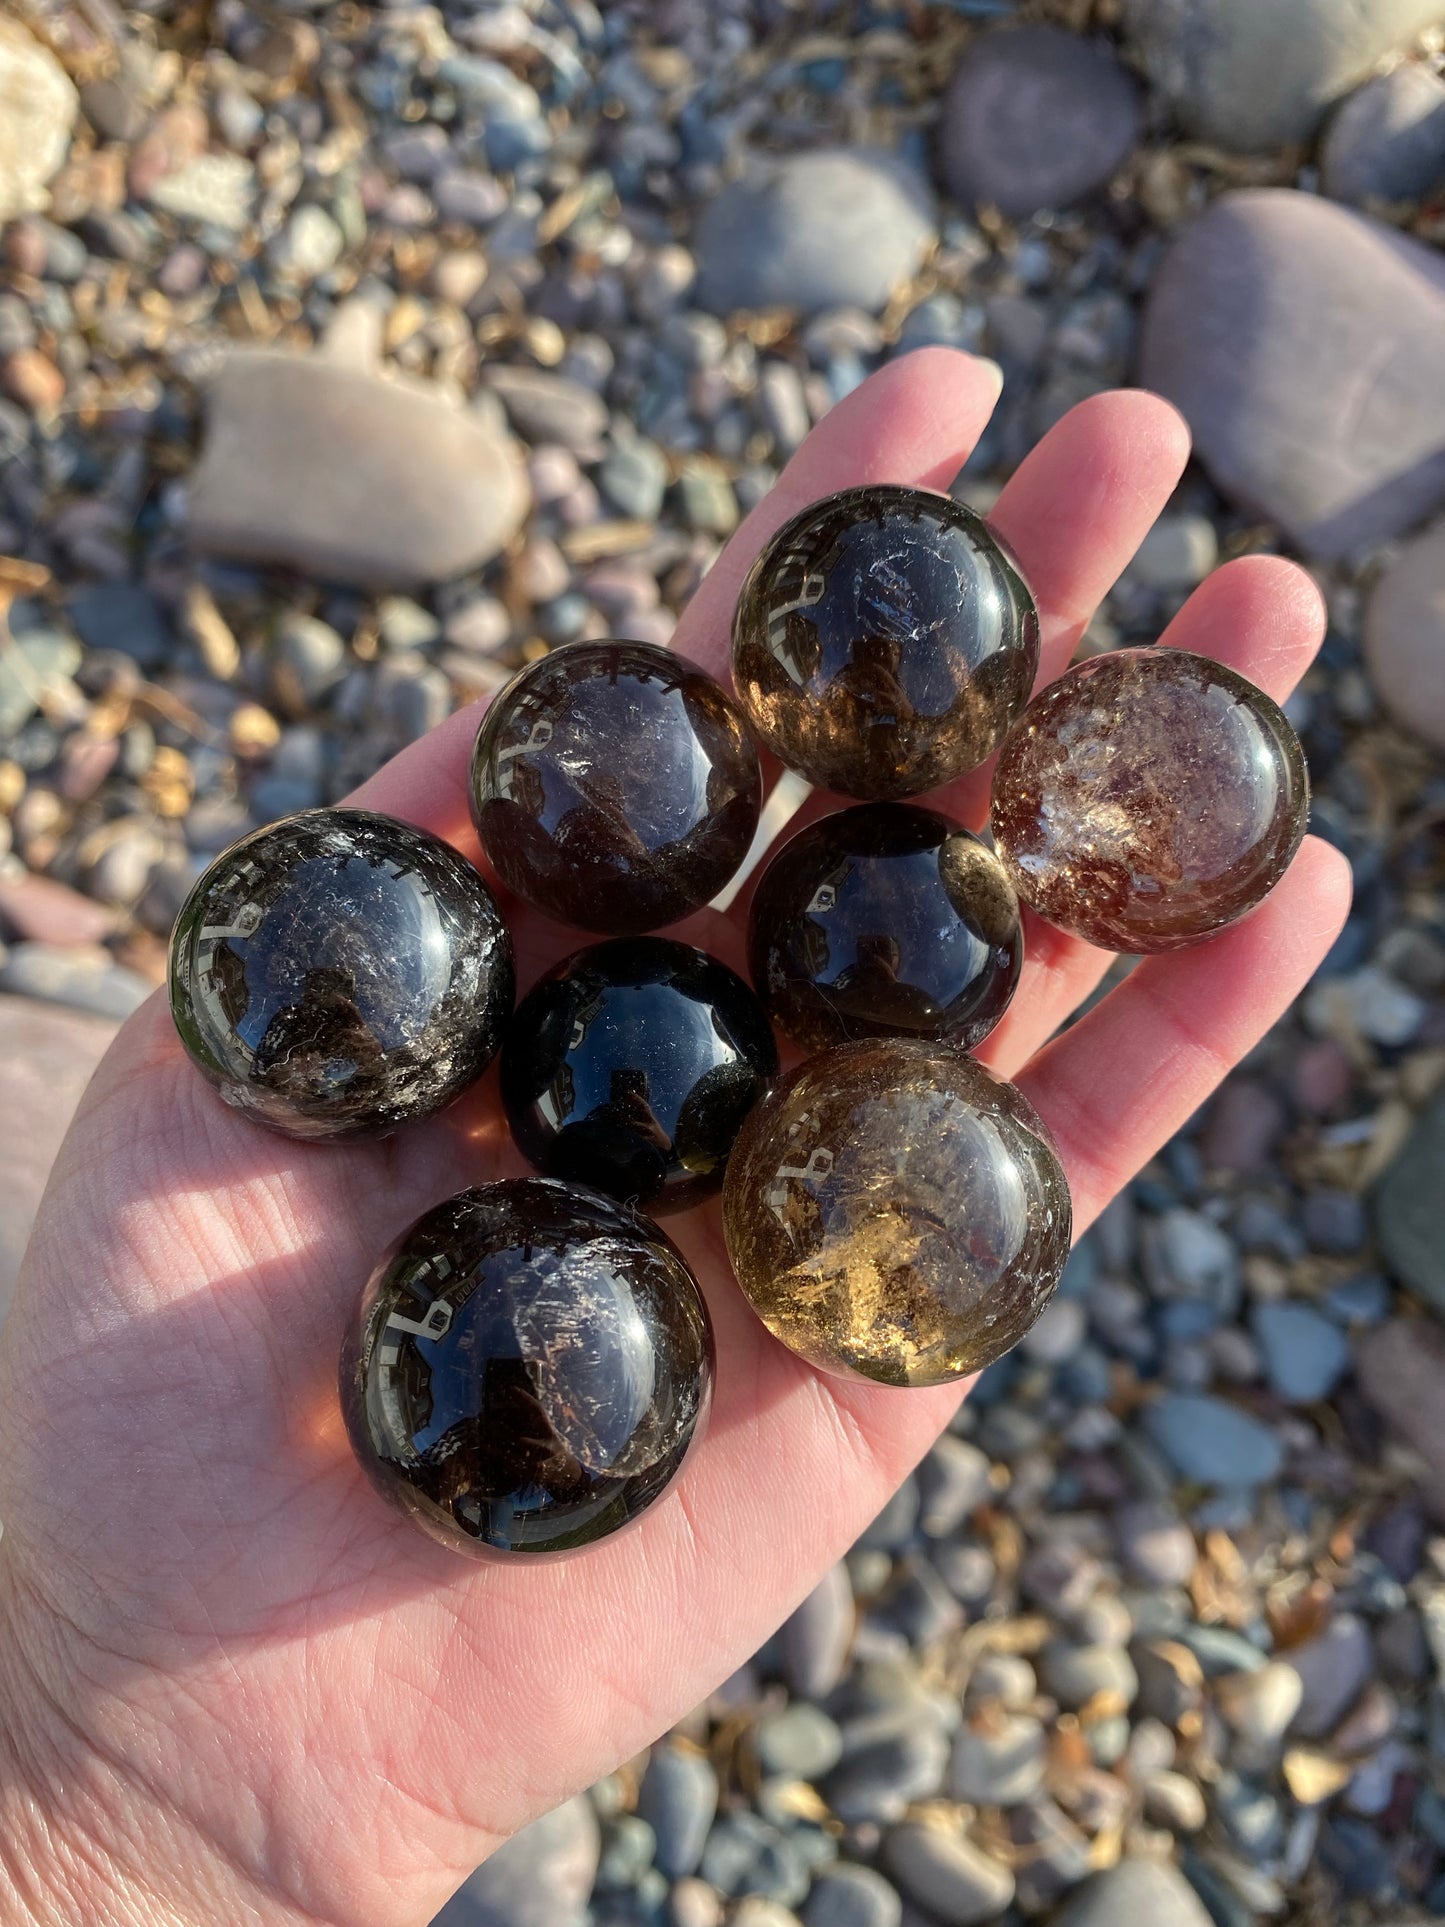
x,y
615,786
895,1212
886,919
884,641
631,1066
340,973
527,1368
1148,798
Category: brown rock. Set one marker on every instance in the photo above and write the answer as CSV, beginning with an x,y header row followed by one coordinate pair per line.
x,y
40,910
33,380
46,1058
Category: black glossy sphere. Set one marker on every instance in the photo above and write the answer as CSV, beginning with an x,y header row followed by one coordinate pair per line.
x,y
527,1368
615,786
631,1067
340,973
884,642
885,920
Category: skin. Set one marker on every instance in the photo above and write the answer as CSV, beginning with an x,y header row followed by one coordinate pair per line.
x,y
233,1684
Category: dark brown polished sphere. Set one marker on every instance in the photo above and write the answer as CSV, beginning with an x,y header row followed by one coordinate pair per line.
x,y
885,920
630,1067
615,786
884,642
340,973
1148,798
527,1368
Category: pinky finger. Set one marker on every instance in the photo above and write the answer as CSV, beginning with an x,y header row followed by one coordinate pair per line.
x,y
1120,1083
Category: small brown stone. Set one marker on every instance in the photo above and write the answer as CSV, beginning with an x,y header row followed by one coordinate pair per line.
x,y
1148,798
895,1212
33,380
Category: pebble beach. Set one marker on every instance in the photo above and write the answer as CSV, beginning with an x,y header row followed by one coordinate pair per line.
x,y
354,355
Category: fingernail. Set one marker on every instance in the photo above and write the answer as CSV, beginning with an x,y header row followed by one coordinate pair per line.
x,y
994,373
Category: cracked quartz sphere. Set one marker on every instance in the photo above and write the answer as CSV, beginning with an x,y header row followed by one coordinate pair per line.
x,y
631,1066
1148,798
527,1368
615,786
339,973
885,920
895,1212
884,641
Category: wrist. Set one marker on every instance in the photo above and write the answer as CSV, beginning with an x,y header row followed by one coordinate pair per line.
x,y
57,1811
80,1841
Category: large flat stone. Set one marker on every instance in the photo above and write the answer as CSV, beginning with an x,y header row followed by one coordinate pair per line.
x,y
349,475
46,1057
1253,74
1305,345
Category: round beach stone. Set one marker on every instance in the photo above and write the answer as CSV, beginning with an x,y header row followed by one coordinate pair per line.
x,y
527,1368
884,642
1405,636
885,920
630,1068
1252,77
575,819
1036,117
1135,1893
1387,141
828,228
38,105
947,1875
347,474
340,973
895,1212
1149,798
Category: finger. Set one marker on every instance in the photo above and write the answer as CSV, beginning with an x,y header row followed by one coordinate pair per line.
x,y
1080,504
1059,972
1116,1087
1262,616
915,421
1074,513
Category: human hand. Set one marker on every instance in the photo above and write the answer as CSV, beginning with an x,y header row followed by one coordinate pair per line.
x,y
233,1683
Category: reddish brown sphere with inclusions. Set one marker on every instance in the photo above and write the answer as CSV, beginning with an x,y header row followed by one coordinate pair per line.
x,y
1149,798
885,920
893,1211
884,642
615,786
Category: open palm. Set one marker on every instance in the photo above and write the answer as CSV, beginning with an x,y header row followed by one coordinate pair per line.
x,y
236,1684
